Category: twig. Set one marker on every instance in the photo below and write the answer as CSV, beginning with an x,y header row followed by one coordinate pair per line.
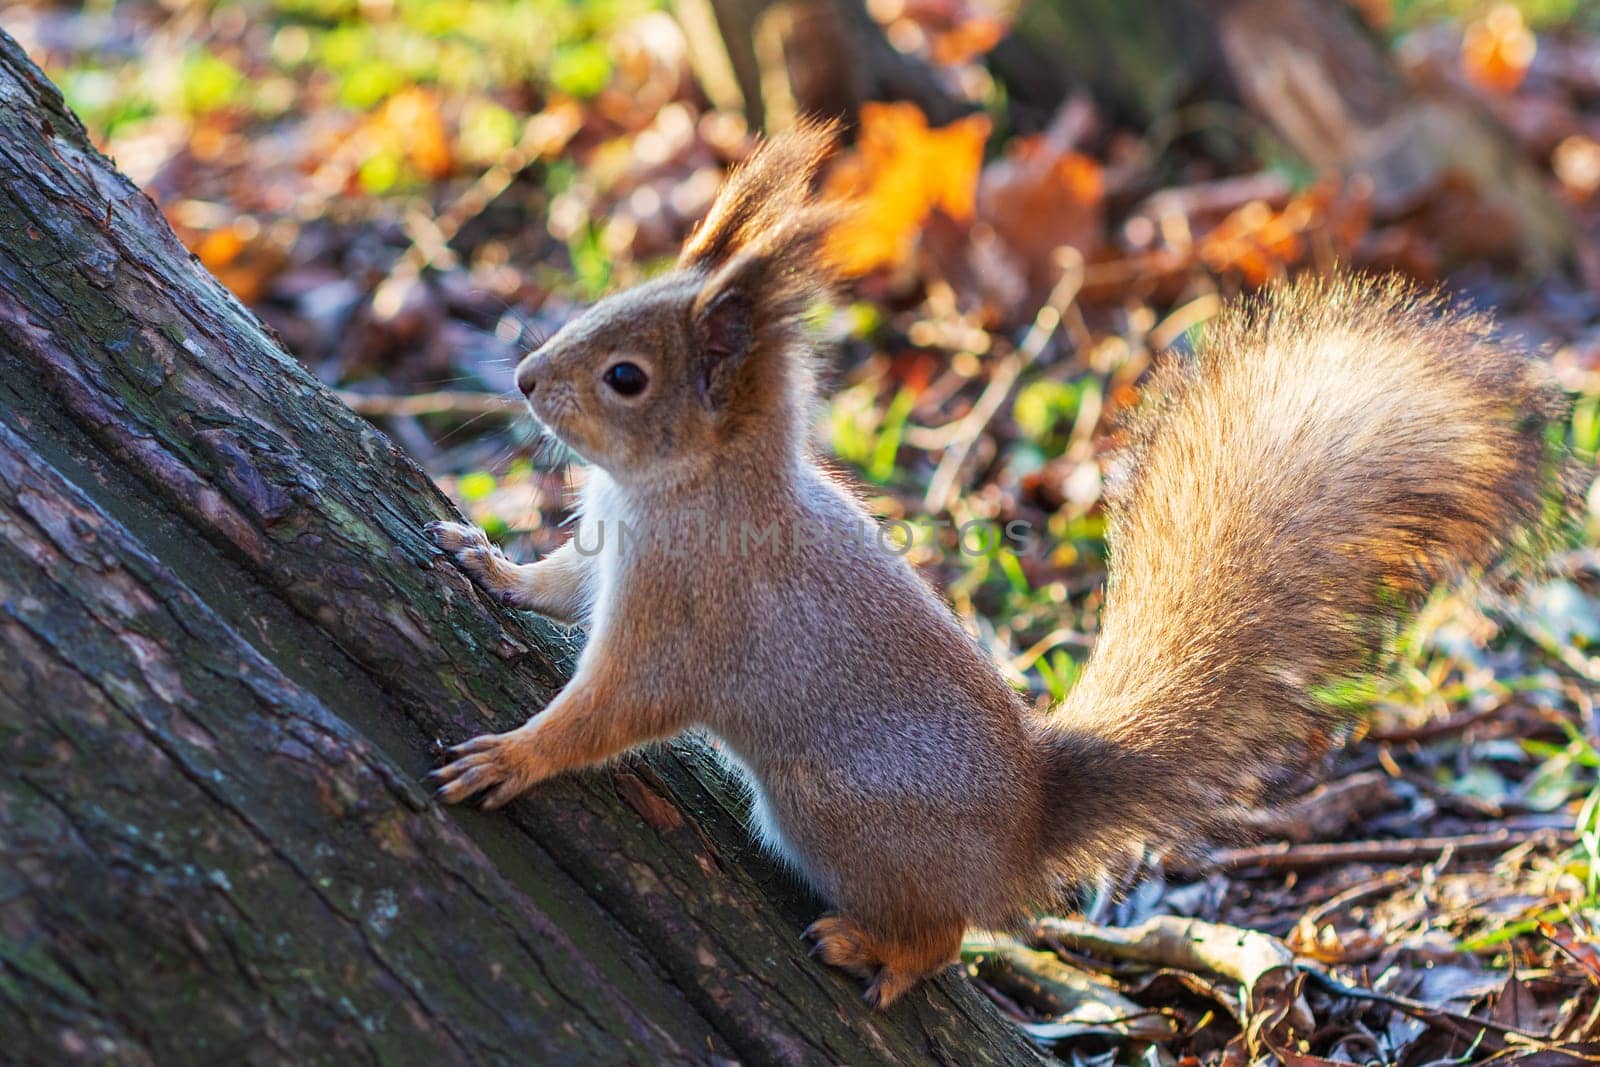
x,y
1586,669
381,405
1001,381
1220,196
1371,887
1049,643
1465,1026
1078,1000
1246,956
543,135
1437,728
1281,857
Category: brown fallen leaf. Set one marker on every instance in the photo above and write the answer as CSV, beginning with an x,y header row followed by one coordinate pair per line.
x,y
1582,951
1514,1005
410,119
1039,197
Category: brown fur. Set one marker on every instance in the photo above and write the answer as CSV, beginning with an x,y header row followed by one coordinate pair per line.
x,y
1331,453
1328,456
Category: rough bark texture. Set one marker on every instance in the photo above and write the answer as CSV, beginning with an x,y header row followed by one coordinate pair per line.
x,y
229,655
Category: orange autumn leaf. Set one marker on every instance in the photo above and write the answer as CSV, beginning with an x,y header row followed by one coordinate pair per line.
x,y
219,248
1497,49
1261,244
966,41
902,172
410,119
241,256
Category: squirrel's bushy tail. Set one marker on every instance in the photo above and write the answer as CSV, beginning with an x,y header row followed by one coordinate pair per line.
x,y
1332,451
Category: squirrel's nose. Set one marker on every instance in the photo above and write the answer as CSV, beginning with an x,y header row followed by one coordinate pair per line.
x,y
527,377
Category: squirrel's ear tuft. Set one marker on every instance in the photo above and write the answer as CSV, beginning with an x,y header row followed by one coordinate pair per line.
x,y
761,250
758,299
762,194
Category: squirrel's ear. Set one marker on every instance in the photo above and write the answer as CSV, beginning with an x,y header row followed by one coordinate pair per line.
x,y
760,251
723,320
756,302
762,194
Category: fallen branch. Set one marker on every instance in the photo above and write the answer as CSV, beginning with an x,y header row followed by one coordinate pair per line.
x,y
1286,857
1079,1002
1437,728
1329,809
1250,958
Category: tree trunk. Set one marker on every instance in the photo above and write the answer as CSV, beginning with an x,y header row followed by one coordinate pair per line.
x,y
230,654
778,59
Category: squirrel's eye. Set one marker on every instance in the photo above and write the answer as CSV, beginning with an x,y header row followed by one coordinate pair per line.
x,y
625,378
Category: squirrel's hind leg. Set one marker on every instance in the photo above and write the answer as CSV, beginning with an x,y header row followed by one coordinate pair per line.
x,y
892,966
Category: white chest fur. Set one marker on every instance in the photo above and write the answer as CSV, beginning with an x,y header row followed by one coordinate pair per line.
x,y
605,525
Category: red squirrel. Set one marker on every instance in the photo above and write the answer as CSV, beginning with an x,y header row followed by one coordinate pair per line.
x,y
1330,453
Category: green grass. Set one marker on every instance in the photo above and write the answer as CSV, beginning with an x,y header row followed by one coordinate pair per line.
x,y
353,56
1539,14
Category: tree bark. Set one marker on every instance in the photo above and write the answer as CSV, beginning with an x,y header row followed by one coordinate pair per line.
x,y
230,654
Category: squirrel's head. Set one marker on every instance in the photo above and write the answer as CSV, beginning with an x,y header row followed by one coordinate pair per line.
x,y
666,378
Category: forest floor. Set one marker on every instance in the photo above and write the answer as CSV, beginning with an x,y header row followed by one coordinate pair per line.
x,y
412,192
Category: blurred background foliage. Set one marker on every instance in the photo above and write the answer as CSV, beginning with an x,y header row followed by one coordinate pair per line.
x,y
413,192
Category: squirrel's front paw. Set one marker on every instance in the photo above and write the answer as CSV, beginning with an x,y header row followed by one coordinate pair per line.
x,y
475,554
455,536
507,764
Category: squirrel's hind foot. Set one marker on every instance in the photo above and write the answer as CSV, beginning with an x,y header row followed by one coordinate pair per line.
x,y
891,968
505,765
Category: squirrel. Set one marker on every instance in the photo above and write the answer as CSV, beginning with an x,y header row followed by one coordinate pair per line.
x,y
1331,452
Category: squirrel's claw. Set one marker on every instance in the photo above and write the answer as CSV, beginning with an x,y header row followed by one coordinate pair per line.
x,y
840,943
481,743
456,537
482,561
891,968
888,986
497,763
466,783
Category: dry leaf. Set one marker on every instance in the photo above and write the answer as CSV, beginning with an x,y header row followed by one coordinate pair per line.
x,y
410,119
902,172
966,41
1260,244
1039,198
1496,49
241,256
